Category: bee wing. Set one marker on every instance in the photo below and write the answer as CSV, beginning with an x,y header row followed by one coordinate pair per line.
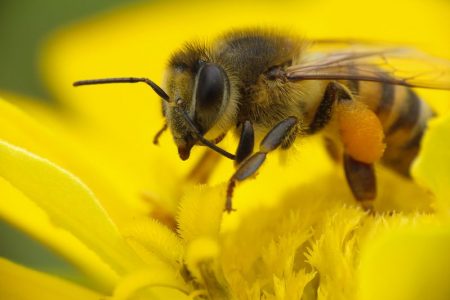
x,y
400,66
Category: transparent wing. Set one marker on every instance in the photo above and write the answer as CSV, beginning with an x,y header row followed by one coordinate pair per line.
x,y
348,60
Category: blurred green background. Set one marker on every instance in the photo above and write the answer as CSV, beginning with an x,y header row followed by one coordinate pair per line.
x,y
23,26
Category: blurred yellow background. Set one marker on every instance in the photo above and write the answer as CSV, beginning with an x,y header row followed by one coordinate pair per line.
x,y
136,40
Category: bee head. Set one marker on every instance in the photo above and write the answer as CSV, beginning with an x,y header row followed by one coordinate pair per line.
x,y
196,101
199,89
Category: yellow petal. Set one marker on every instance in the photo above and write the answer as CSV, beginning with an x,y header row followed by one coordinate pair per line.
x,y
293,286
200,213
144,283
202,261
24,214
199,219
409,263
432,167
332,254
20,283
68,203
21,130
156,239
200,251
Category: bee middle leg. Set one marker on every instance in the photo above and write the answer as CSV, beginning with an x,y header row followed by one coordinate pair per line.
x,y
246,143
276,137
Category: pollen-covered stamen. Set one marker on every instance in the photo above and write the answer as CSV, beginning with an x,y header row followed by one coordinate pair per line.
x,y
201,259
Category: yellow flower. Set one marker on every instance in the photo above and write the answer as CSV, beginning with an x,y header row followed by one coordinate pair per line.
x,y
86,181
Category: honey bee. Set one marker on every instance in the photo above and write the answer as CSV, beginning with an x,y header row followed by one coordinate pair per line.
x,y
276,87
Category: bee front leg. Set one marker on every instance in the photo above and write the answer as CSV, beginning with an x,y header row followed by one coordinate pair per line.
x,y
246,143
159,133
276,136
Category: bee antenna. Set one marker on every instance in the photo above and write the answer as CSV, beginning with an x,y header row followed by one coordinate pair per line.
x,y
158,90
153,85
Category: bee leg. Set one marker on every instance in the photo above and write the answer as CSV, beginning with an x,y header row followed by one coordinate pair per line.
x,y
290,137
362,137
362,181
245,170
246,143
204,167
334,92
249,166
333,150
159,133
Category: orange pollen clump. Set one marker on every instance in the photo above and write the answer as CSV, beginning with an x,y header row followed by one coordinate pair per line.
x,y
361,132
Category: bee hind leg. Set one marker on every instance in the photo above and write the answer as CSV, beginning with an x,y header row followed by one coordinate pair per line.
x,y
362,181
276,137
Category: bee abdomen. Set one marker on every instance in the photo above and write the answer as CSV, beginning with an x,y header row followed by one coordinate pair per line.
x,y
400,157
410,109
386,101
404,117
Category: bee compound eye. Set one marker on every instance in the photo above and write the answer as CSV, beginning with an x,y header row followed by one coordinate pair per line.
x,y
210,87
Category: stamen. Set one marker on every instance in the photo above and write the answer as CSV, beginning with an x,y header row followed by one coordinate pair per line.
x,y
201,258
